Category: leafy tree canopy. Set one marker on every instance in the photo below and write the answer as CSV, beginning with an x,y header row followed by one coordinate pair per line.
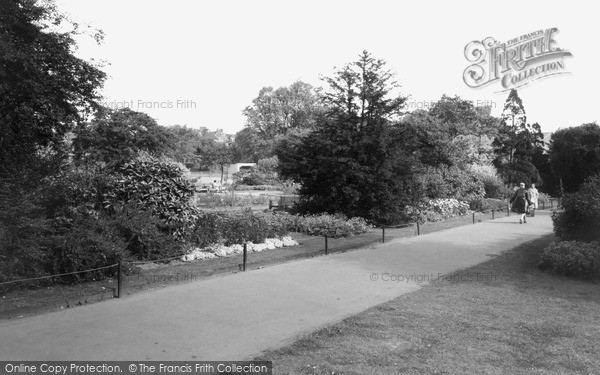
x,y
249,146
114,137
184,143
458,116
45,90
356,161
514,113
364,90
274,112
575,154
516,143
454,132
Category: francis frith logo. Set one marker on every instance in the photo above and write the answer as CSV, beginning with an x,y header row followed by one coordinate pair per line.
x,y
514,63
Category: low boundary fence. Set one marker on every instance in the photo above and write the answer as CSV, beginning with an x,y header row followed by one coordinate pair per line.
x,y
118,289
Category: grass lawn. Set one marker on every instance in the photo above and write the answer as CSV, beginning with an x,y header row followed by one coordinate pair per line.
x,y
27,301
522,321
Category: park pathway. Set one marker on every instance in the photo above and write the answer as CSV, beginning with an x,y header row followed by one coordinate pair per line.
x,y
234,317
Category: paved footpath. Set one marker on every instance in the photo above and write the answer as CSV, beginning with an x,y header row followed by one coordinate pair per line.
x,y
235,317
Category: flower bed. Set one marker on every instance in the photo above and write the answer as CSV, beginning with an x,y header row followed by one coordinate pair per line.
x,y
220,250
438,209
236,227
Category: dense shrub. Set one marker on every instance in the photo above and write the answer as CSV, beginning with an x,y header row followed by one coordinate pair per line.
x,y
489,177
580,216
333,226
451,182
572,258
23,231
77,191
146,236
147,201
206,230
157,185
574,154
236,227
82,243
90,217
520,170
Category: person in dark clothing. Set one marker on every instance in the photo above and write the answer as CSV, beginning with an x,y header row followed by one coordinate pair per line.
x,y
520,200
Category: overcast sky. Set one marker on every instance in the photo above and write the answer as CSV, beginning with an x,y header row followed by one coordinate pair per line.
x,y
203,62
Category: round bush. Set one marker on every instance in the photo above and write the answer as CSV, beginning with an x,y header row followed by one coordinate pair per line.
x,y
488,175
572,258
580,217
451,182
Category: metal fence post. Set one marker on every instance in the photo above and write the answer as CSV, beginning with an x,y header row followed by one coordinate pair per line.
x,y
326,249
473,217
492,214
119,279
383,234
418,229
245,255
507,210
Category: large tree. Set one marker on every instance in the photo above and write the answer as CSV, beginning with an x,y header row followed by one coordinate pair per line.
x,y
454,132
513,113
575,154
45,90
184,143
516,143
274,112
364,91
514,153
357,161
457,115
115,137
250,146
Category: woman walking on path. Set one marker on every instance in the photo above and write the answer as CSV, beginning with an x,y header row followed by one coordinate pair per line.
x,y
519,201
533,197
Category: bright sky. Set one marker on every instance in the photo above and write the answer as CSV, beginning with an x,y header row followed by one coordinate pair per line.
x,y
205,61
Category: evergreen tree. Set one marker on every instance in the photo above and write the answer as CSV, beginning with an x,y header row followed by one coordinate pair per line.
x,y
516,143
357,161
575,154
513,114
